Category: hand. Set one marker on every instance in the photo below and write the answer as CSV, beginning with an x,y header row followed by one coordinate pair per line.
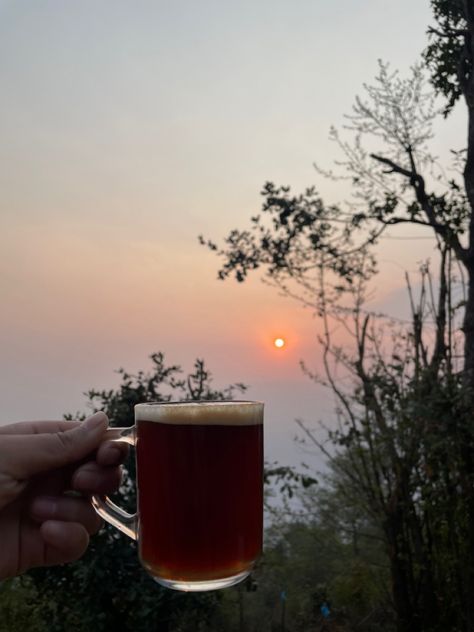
x,y
40,525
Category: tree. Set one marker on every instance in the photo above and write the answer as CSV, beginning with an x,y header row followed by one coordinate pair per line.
x,y
108,580
405,450
295,235
405,441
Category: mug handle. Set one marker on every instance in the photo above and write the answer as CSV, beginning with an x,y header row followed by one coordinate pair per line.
x,y
107,509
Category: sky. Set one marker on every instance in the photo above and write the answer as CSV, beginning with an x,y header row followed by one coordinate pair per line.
x,y
130,128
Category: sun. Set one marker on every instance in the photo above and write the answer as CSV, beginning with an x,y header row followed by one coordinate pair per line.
x,y
279,343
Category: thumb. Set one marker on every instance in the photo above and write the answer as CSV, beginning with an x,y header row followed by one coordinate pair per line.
x,y
34,453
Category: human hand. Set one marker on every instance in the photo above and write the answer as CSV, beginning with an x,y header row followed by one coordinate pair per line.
x,y
40,524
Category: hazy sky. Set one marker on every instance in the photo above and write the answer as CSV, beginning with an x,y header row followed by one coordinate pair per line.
x,y
129,128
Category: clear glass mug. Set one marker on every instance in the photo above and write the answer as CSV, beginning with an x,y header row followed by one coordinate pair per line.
x,y
199,519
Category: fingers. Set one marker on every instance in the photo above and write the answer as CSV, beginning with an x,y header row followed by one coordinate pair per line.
x,y
112,453
66,509
38,427
66,541
25,455
91,478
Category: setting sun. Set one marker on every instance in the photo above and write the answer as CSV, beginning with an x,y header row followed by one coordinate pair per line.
x,y
279,343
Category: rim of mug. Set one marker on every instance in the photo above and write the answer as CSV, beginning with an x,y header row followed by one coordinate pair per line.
x,y
202,402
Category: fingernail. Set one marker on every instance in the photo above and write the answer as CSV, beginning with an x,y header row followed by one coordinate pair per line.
x,y
86,480
44,507
95,421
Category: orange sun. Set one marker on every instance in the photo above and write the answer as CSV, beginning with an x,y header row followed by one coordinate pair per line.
x,y
279,343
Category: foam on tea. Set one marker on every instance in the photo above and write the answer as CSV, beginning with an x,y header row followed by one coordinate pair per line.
x,y
233,413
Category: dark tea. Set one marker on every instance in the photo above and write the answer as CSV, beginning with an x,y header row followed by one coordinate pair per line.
x,y
200,489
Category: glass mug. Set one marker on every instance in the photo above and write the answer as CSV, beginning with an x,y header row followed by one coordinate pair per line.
x,y
199,520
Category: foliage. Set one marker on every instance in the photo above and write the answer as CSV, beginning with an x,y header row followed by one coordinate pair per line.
x,y
314,566
295,236
447,55
306,565
296,226
286,478
19,607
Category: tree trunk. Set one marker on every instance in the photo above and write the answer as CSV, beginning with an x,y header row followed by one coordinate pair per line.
x,y
467,564
407,617
468,89
468,329
469,186
467,85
